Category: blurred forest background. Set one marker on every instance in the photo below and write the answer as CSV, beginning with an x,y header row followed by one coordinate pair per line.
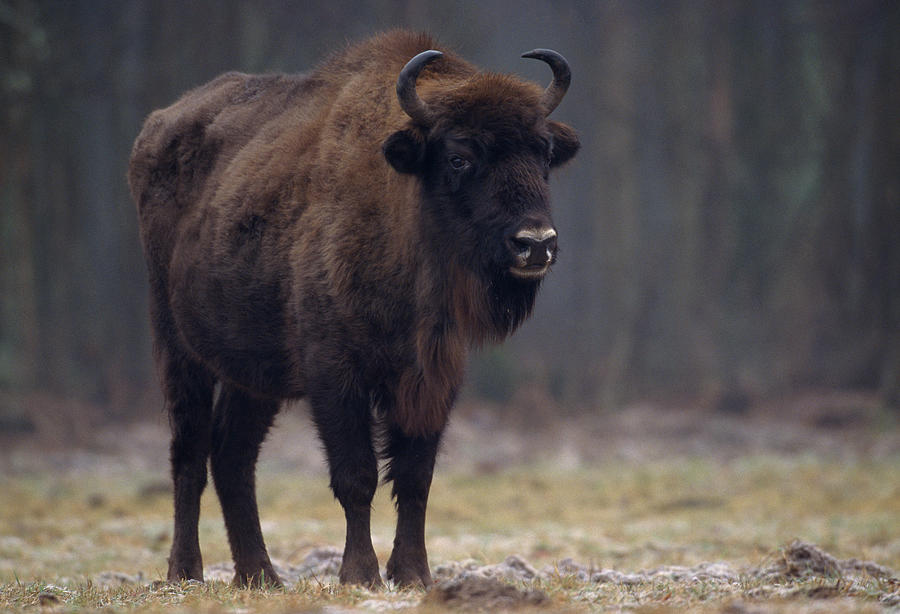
x,y
730,229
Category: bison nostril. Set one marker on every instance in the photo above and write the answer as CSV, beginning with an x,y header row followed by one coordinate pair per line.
x,y
520,245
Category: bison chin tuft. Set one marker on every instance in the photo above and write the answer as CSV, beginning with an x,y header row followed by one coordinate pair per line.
x,y
511,300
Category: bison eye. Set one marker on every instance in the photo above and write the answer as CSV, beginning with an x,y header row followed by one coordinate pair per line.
x,y
458,163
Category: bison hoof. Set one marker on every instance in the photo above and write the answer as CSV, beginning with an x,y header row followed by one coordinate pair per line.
x,y
409,574
362,572
181,571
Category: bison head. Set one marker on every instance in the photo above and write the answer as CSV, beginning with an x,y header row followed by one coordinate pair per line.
x,y
483,147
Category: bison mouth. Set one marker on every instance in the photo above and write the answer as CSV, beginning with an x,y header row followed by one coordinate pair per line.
x,y
530,271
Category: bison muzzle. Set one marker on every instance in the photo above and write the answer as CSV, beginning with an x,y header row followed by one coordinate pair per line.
x,y
344,236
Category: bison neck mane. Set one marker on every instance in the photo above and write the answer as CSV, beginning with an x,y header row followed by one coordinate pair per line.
x,y
457,309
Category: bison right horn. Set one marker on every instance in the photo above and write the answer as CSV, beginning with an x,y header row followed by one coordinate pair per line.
x,y
410,102
562,76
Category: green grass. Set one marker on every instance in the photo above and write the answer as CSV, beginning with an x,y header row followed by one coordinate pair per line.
x,y
59,533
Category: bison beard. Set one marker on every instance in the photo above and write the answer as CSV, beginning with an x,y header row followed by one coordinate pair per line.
x,y
342,236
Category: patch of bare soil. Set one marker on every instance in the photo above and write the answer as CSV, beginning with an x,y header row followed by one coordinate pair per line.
x,y
484,593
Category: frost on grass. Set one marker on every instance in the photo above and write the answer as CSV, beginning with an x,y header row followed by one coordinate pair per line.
x,y
798,561
513,569
704,572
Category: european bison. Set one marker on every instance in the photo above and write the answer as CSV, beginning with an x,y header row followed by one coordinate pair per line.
x,y
343,236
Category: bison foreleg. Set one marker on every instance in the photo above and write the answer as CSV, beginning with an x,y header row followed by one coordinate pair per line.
x,y
411,465
240,424
345,429
189,391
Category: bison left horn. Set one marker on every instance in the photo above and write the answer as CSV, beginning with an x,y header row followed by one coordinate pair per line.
x,y
562,76
410,102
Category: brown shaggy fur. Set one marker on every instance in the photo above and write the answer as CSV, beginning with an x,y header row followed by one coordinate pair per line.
x,y
288,257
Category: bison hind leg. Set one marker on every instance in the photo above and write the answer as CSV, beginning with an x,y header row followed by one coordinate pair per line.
x,y
240,423
189,393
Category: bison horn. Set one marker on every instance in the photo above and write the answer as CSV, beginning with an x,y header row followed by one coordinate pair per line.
x,y
562,76
410,102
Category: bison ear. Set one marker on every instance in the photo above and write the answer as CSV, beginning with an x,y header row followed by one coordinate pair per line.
x,y
405,151
565,143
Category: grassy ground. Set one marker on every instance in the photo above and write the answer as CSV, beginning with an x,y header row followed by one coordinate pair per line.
x,y
61,535
642,510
